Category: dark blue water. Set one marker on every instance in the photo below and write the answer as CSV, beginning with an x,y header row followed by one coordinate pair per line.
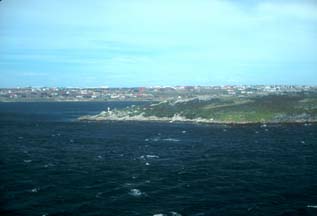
x,y
51,164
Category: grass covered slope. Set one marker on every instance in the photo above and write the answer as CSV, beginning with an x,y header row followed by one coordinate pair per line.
x,y
271,108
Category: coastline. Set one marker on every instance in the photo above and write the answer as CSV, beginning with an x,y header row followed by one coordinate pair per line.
x,y
140,118
259,110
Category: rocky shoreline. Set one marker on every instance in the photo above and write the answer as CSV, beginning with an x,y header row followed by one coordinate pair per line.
x,y
121,116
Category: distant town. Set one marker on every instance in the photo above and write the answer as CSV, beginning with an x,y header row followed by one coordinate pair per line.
x,y
30,94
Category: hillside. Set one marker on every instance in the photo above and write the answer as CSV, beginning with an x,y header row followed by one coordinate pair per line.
x,y
272,108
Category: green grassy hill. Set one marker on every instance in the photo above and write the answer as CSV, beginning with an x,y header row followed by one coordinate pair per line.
x,y
273,108
300,107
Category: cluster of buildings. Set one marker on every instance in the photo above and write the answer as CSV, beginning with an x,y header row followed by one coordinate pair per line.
x,y
143,93
69,94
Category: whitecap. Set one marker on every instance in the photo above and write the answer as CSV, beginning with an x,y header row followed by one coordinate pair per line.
x,y
311,206
159,214
152,156
27,161
147,164
171,140
35,190
135,192
175,213
183,132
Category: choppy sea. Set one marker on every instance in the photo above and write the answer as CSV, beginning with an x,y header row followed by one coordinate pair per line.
x,y
52,164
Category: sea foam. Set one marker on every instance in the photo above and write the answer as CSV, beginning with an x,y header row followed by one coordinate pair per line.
x,y
135,192
171,140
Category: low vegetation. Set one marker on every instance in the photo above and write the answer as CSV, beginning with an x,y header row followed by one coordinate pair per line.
x,y
270,108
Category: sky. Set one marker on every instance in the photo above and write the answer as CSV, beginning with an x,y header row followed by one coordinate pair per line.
x,y
129,43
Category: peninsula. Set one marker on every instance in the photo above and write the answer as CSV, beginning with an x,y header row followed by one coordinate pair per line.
x,y
282,108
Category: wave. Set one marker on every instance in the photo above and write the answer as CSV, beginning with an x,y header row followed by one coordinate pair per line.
x,y
171,140
136,192
172,213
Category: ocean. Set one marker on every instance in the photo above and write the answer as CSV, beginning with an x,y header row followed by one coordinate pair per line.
x,y
52,164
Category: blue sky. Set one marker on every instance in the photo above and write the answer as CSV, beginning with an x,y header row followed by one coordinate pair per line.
x,y
164,42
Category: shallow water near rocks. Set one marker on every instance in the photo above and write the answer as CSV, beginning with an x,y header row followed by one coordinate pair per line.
x,y
52,164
